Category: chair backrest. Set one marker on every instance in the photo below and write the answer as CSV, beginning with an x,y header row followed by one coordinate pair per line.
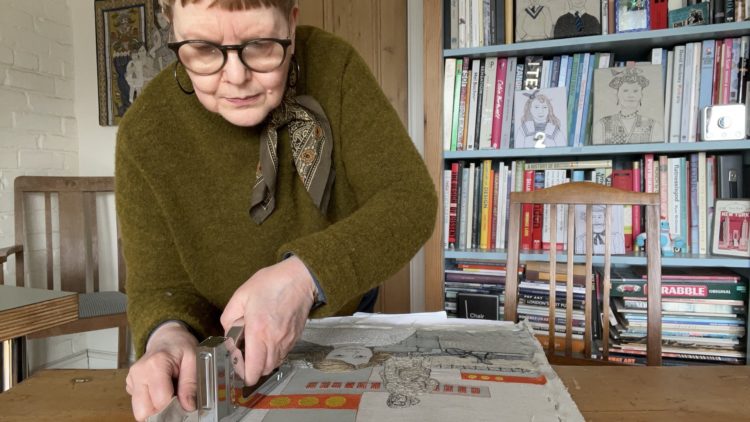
x,y
587,194
76,199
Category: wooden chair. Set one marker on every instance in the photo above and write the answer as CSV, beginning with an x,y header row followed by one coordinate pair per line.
x,y
587,194
78,252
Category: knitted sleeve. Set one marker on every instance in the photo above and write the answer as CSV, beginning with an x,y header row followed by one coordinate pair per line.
x,y
397,199
157,285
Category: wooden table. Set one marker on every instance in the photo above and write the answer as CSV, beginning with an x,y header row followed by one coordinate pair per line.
x,y
602,393
24,310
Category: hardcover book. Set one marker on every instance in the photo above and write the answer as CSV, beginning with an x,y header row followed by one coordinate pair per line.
x,y
732,227
696,14
478,306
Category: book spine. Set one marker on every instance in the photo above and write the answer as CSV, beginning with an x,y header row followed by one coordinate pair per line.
x,y
658,11
585,92
685,203
471,112
485,127
476,229
636,209
509,25
485,216
707,74
446,207
453,206
702,205
677,88
674,197
532,72
477,116
470,206
510,89
526,211
718,60
456,102
726,70
499,102
537,216
623,179
694,240
463,206
668,75
687,84
449,81
734,73
463,97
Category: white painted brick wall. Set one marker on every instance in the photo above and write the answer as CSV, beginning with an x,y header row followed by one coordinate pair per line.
x,y
38,128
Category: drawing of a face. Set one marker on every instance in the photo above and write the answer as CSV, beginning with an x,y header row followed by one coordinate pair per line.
x,y
539,111
354,355
597,220
629,95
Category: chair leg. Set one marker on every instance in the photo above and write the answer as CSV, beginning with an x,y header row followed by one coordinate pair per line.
x,y
123,351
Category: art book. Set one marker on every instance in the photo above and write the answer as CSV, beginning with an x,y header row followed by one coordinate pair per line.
x,y
731,227
696,14
616,233
539,117
628,105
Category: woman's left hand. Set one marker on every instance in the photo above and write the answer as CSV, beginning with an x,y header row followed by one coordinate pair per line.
x,y
274,303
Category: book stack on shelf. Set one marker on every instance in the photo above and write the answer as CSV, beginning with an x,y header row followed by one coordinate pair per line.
x,y
621,109
704,314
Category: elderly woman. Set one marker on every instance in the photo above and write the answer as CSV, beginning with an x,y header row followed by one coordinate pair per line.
x,y
264,178
628,125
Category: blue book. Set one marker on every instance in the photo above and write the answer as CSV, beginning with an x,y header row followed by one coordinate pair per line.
x,y
585,124
707,74
573,89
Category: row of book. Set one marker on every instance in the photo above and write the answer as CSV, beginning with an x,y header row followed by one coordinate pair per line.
x,y
589,98
704,316
476,200
704,312
476,23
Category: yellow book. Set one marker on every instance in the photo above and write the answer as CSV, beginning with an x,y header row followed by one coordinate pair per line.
x,y
484,233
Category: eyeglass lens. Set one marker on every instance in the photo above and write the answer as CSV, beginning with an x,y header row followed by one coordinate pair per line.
x,y
206,58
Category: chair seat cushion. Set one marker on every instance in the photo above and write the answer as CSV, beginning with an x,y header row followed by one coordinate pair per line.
x,y
101,303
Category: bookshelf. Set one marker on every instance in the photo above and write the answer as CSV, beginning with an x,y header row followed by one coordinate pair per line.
x,y
629,46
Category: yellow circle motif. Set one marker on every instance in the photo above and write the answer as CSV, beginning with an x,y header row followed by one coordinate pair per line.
x,y
471,377
308,401
484,377
498,378
335,401
280,401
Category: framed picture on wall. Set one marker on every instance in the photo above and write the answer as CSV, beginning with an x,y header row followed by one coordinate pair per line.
x,y
131,48
631,15
731,228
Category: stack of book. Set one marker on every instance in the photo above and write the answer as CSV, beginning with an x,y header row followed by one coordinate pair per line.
x,y
533,302
703,316
472,284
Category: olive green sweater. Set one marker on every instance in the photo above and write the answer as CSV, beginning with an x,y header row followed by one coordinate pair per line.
x,y
184,177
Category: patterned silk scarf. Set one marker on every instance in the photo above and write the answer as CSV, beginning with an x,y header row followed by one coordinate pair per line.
x,y
310,136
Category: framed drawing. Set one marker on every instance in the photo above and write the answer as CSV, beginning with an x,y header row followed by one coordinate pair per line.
x,y
731,228
628,105
131,48
631,15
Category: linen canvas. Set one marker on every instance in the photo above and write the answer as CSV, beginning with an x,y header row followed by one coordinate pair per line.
x,y
437,373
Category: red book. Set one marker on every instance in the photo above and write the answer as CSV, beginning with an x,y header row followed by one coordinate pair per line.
x,y
453,206
497,108
663,188
623,179
526,210
659,12
726,69
537,214
718,53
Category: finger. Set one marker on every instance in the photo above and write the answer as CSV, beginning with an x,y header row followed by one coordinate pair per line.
x,y
187,382
233,311
255,359
272,358
141,402
161,390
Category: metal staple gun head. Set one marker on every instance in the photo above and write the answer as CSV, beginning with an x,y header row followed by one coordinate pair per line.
x,y
222,393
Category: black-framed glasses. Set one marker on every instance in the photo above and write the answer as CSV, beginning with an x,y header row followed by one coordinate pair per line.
x,y
206,58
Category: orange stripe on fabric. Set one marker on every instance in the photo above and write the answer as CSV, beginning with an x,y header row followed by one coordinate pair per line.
x,y
540,379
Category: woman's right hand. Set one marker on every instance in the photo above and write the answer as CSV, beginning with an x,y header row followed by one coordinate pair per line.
x,y
170,355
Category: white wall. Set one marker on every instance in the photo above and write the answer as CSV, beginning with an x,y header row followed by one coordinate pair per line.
x,y
96,143
49,126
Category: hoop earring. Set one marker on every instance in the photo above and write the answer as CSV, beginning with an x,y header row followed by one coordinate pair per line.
x,y
294,72
174,73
